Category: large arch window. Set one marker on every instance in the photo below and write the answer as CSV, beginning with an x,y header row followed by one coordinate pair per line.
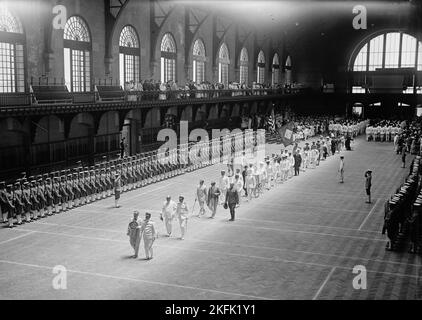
x,y
275,70
223,65
244,66
128,56
260,75
168,58
77,55
12,43
389,50
198,61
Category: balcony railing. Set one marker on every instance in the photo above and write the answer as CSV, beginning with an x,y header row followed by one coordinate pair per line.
x,y
28,99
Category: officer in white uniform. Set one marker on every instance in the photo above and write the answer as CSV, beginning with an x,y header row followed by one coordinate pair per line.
x,y
167,214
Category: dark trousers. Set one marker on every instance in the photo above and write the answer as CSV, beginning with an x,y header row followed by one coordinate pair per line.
x,y
232,206
297,170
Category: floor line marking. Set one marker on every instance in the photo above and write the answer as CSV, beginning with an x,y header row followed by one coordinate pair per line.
x,y
138,280
229,254
324,283
369,214
246,246
18,237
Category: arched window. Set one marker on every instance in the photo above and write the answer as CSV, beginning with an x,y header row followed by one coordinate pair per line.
x,y
389,50
12,42
168,58
198,61
128,56
275,70
244,66
223,65
260,75
77,55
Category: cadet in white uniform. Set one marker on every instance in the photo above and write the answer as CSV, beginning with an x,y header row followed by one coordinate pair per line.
x,y
182,212
148,233
223,186
201,196
167,214
133,233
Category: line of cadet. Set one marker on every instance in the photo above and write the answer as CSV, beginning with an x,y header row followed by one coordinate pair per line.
x,y
403,213
35,197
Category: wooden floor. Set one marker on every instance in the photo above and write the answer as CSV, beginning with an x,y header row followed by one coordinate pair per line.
x,y
300,240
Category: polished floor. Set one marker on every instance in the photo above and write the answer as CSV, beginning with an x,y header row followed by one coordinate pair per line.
x,y
301,240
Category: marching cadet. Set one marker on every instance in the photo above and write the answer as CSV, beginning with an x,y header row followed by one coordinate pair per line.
x,y
124,178
182,212
56,195
109,182
41,197
133,231
76,189
223,185
83,187
10,204
49,196
93,185
64,194
167,214
117,189
148,234
26,209
18,203
201,196
70,191
33,199
3,202
129,175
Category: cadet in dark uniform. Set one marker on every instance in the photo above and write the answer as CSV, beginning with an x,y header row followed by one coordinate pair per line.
x,y
41,197
49,196
63,193
10,205
56,195
18,203
3,202
33,198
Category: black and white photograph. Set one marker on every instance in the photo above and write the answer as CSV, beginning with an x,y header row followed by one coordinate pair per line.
x,y
226,153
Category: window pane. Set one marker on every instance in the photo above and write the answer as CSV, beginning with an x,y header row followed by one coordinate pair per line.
x,y
420,56
392,49
376,53
408,51
360,61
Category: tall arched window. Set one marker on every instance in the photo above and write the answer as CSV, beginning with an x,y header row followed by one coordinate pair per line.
x,y
198,61
168,58
223,65
77,55
389,50
244,66
12,42
129,55
260,75
275,70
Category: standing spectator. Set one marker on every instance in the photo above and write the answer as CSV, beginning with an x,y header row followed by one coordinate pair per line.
x,y
122,148
368,184
403,157
232,200
341,169
298,162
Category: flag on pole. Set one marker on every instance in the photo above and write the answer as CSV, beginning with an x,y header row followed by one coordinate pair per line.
x,y
286,133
